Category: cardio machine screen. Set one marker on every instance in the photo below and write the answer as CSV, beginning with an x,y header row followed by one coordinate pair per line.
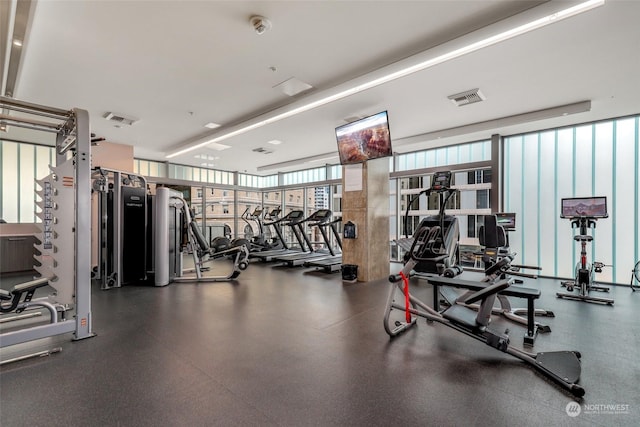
x,y
441,180
591,207
507,220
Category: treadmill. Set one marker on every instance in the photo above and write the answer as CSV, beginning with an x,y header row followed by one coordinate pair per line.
x,y
319,217
290,219
334,263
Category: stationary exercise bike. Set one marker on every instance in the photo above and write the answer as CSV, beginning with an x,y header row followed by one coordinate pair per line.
x,y
583,213
635,276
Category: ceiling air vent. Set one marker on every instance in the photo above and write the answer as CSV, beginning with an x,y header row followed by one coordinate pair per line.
x,y
120,119
262,150
467,97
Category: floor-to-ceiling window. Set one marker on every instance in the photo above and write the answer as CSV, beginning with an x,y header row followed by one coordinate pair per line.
x,y
21,165
598,159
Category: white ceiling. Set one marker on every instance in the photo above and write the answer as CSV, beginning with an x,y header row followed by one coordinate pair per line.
x,y
177,65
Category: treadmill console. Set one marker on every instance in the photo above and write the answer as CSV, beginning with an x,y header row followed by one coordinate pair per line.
x,y
295,214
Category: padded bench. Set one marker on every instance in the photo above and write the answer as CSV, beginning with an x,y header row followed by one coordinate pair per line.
x,y
15,295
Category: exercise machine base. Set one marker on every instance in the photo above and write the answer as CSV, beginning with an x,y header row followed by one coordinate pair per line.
x,y
583,294
563,367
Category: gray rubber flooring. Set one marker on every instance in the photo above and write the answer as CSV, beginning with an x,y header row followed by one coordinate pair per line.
x,y
286,347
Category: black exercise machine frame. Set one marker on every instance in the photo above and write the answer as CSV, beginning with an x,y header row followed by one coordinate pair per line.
x,y
529,294
563,367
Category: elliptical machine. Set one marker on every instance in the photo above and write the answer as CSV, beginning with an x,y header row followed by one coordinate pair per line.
x,y
428,252
583,213
433,249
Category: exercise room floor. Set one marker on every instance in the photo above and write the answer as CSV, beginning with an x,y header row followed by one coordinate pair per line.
x,y
286,347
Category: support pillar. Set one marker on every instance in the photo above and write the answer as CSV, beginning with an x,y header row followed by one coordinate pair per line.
x,y
365,202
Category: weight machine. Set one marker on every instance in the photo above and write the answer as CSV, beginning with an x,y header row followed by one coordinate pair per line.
x,y
170,212
122,227
64,208
583,213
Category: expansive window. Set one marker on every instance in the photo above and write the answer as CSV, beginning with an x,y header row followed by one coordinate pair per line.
x,y
191,173
150,168
21,165
304,176
469,203
445,156
538,169
214,211
599,159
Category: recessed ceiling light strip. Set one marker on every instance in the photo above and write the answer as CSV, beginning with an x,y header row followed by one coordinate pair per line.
x,y
448,56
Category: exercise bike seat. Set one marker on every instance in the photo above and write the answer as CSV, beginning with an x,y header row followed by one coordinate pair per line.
x,y
583,238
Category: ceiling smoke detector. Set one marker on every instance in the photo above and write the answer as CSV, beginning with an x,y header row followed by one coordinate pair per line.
x,y
260,24
467,97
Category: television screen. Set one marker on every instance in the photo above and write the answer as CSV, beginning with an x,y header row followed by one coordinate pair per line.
x,y
364,139
592,207
507,220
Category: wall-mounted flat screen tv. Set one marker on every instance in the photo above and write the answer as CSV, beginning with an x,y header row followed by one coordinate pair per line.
x,y
364,139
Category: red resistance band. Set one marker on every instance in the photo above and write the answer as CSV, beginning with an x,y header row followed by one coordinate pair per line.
x,y
407,313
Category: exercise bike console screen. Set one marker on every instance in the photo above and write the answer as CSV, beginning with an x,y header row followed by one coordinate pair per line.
x,y
441,180
589,207
507,220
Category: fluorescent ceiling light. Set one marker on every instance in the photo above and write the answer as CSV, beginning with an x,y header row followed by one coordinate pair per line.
x,y
212,125
274,142
17,42
453,54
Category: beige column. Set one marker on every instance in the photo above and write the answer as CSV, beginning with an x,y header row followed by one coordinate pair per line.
x,y
365,202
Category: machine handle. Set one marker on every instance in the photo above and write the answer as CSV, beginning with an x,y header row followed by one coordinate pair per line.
x,y
393,278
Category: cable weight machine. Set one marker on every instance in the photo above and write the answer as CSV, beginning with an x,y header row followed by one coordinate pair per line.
x,y
122,227
63,203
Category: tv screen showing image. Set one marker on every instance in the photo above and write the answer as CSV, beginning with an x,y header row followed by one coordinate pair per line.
x,y
592,207
364,139
507,220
